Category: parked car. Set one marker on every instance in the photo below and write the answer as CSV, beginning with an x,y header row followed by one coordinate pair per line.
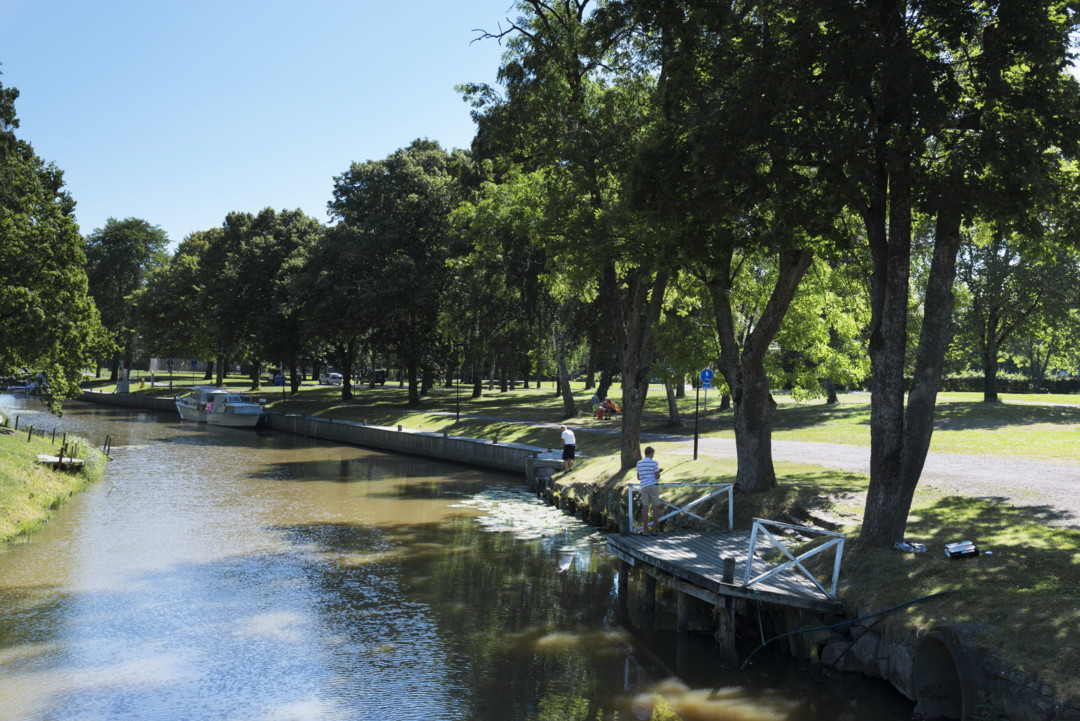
x,y
330,379
380,378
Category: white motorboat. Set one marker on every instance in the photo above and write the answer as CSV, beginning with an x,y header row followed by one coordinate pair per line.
x,y
220,407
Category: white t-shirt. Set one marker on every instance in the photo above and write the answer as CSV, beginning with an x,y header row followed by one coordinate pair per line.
x,y
568,438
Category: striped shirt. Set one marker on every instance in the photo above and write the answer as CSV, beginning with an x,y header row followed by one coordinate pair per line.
x,y
647,469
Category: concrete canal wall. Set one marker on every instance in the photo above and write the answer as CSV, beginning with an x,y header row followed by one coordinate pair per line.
x,y
509,457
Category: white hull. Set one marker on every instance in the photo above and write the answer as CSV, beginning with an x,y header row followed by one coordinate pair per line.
x,y
217,407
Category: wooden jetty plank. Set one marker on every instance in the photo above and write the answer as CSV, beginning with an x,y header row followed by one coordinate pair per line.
x,y
55,460
698,559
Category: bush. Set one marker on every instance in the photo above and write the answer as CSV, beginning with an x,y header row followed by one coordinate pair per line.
x,y
973,382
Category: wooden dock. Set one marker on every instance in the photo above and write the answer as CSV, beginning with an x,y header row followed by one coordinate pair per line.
x,y
693,563
61,462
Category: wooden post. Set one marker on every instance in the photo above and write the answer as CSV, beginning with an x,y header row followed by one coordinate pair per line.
x,y
729,570
725,620
53,439
16,423
725,634
650,592
30,434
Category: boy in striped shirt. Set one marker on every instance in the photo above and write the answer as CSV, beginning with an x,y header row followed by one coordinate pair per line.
x,y
648,473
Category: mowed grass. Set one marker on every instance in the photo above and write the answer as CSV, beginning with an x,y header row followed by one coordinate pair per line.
x,y
29,491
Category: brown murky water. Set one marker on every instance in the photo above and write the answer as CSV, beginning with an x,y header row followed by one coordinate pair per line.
x,y
248,576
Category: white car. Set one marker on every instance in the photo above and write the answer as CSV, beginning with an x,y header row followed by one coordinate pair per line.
x,y
330,379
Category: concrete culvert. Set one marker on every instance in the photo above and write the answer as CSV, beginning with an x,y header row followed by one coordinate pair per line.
x,y
948,675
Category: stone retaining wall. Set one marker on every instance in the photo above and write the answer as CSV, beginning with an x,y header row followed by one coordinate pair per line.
x,y
510,457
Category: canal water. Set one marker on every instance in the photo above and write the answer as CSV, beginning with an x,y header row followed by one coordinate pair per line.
x,y
253,575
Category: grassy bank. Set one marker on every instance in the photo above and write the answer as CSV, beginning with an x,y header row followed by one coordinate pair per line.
x,y
29,491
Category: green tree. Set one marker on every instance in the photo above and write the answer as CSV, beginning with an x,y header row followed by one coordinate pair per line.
x,y
397,213
575,106
957,110
1007,290
172,317
251,271
119,259
48,322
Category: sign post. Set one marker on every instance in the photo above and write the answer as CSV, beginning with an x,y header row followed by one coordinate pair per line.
x,y
706,381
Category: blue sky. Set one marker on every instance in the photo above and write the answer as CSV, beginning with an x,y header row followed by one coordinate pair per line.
x,y
181,112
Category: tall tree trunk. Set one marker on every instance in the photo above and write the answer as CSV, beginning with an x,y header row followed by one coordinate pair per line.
x,y
294,375
256,375
830,391
634,319
990,371
605,384
477,376
428,381
346,355
590,373
674,419
744,368
569,407
892,485
219,365
680,386
414,392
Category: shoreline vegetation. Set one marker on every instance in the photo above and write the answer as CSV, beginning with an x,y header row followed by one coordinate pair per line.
x,y
1026,593
31,491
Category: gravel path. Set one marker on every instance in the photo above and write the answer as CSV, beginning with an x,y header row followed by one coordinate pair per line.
x,y
1048,487
1052,489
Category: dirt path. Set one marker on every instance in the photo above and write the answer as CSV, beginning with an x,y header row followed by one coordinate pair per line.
x,y
1049,488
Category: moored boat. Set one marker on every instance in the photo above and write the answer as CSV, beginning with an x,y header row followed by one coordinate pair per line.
x,y
220,407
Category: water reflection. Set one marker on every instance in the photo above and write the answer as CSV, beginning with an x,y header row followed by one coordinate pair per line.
x,y
227,574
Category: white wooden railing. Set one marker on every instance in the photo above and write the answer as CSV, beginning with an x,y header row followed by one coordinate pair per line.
x,y
794,562
718,488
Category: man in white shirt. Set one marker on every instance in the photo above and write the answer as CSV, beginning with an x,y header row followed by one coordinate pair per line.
x,y
648,473
569,445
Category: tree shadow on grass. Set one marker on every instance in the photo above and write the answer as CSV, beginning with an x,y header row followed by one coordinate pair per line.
x,y
965,415
1026,590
